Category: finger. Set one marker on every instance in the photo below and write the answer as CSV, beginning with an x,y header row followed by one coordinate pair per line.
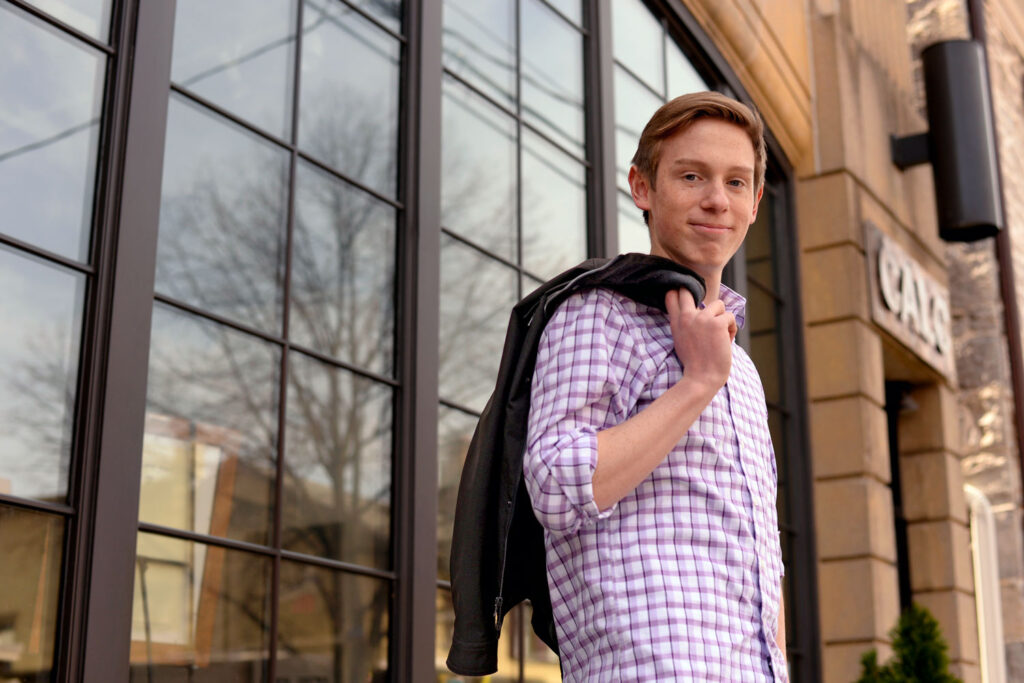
x,y
733,327
686,302
715,308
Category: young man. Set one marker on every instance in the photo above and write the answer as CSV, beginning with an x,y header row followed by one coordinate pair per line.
x,y
649,462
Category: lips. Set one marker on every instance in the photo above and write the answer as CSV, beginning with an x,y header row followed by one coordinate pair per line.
x,y
711,226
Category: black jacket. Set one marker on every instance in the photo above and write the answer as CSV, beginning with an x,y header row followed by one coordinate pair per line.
x,y
497,556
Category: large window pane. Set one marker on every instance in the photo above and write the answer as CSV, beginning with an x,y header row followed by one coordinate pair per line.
x,y
337,464
454,432
91,17
208,458
478,190
200,613
477,295
552,73
572,9
387,12
222,218
348,110
480,45
637,39
554,208
239,54
40,314
343,272
634,105
51,88
682,77
634,236
31,547
332,626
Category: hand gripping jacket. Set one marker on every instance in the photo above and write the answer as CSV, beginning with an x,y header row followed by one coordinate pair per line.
x,y
497,556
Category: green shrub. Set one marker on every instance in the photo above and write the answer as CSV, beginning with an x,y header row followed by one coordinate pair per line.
x,y
919,653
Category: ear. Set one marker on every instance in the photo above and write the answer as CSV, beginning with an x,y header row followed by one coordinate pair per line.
x,y
639,188
757,203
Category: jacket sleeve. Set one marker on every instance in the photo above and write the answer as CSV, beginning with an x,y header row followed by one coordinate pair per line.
x,y
584,381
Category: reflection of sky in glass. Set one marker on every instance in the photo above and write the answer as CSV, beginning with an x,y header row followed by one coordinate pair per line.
x,y
633,233
51,90
222,218
682,77
388,12
637,40
554,208
552,73
480,45
40,314
343,272
478,156
454,431
337,461
238,54
477,294
91,17
634,105
348,111
223,385
570,8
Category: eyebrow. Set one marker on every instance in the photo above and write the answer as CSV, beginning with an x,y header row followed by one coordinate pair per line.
x,y
697,163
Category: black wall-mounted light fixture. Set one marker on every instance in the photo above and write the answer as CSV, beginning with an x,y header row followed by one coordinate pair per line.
x,y
960,142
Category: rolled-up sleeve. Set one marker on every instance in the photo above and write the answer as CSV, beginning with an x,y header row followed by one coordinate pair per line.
x,y
585,362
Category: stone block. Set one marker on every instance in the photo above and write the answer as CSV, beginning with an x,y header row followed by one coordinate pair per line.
x,y
956,615
940,556
933,487
844,358
826,212
934,424
968,673
1015,661
835,284
854,518
858,600
841,661
849,436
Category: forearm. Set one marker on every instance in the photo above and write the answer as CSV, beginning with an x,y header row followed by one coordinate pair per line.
x,y
629,451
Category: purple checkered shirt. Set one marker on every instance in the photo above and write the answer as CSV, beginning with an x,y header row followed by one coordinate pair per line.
x,y
680,579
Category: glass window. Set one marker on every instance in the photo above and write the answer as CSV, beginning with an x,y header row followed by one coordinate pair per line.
x,y
209,453
239,54
477,295
571,9
41,315
454,432
637,37
91,17
480,45
387,12
200,613
223,213
682,77
634,236
348,108
51,87
554,208
634,105
478,194
31,546
343,272
552,75
332,626
337,464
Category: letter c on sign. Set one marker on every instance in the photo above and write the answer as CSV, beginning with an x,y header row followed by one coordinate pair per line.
x,y
888,277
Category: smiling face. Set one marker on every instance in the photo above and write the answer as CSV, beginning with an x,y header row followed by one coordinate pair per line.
x,y
703,199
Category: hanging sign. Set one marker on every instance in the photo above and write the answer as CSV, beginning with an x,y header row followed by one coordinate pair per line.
x,y
908,302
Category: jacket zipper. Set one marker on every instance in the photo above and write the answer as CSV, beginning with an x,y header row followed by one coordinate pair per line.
x,y
498,601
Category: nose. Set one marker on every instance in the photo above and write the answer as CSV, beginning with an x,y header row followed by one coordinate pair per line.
x,y
714,198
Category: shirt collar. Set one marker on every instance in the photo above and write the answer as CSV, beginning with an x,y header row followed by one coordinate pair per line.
x,y
734,303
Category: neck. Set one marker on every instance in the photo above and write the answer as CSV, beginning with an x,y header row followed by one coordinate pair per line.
x,y
713,284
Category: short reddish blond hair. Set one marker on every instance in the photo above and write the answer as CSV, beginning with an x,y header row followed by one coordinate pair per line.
x,y
678,114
